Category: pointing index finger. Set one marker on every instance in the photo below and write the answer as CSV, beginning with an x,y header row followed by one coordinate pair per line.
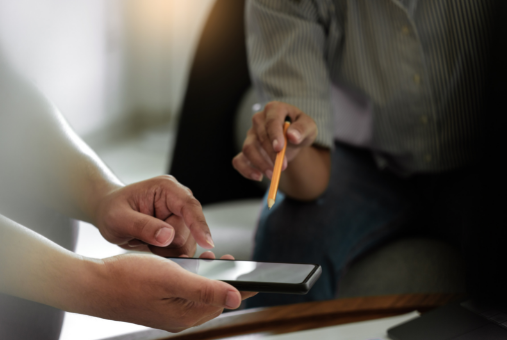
x,y
181,202
194,218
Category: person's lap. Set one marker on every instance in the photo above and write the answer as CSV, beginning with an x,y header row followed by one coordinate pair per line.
x,y
361,207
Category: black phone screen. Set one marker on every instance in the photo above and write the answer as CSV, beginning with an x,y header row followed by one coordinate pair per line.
x,y
251,271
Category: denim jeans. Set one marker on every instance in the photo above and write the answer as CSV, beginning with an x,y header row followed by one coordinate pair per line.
x,y
362,208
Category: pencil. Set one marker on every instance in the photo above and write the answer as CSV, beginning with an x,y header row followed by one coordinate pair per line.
x,y
277,171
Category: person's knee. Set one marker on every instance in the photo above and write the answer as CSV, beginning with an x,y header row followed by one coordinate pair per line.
x,y
287,232
290,218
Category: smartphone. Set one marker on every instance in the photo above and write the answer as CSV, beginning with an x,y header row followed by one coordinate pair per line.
x,y
252,276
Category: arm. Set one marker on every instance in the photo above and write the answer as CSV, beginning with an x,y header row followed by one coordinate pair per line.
x,y
43,158
142,289
308,176
286,43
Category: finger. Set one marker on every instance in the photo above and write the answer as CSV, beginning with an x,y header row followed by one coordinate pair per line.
x,y
179,200
302,131
227,257
183,242
256,155
275,117
146,228
207,255
190,286
135,243
143,247
261,136
188,249
285,163
181,232
244,167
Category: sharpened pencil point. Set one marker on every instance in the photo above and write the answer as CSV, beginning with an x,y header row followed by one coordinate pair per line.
x,y
271,202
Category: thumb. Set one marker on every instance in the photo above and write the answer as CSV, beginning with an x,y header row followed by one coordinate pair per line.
x,y
302,131
147,228
199,289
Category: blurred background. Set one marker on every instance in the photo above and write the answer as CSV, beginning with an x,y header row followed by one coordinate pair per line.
x,y
110,66
118,72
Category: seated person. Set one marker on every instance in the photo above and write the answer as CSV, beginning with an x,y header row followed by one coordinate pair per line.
x,y
42,159
384,99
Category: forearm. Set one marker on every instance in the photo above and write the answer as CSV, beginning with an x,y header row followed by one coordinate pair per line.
x,y
73,176
43,158
307,175
34,268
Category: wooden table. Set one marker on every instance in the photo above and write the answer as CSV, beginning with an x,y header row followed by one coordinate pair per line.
x,y
297,317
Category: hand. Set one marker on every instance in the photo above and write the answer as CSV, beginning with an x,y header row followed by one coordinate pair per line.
x,y
265,139
211,256
156,292
159,212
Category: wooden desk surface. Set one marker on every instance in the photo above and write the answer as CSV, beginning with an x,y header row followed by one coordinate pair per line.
x,y
297,317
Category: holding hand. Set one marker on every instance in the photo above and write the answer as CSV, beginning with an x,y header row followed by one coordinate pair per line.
x,y
265,139
155,292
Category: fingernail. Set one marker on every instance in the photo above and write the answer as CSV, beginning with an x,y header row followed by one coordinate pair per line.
x,y
269,174
164,235
257,177
210,241
296,135
231,300
275,143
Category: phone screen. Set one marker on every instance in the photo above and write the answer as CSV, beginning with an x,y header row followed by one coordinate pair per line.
x,y
227,270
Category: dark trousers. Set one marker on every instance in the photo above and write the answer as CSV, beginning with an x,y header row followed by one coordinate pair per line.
x,y
362,208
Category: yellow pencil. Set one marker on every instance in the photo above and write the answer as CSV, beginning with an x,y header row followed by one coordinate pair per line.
x,y
277,171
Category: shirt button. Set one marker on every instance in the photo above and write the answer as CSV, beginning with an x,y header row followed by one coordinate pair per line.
x,y
427,158
417,78
424,119
405,30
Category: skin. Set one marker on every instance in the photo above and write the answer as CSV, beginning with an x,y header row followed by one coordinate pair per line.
x,y
46,159
43,160
137,288
306,168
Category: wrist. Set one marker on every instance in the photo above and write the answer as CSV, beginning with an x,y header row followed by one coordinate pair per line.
x,y
98,196
84,286
307,175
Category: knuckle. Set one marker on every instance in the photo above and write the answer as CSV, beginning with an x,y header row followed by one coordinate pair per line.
x,y
193,202
178,242
188,190
207,294
140,225
257,119
236,162
167,177
248,150
271,105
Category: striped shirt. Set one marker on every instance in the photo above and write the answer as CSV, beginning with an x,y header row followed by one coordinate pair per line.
x,y
403,77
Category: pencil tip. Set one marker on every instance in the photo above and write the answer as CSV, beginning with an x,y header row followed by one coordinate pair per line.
x,y
271,202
